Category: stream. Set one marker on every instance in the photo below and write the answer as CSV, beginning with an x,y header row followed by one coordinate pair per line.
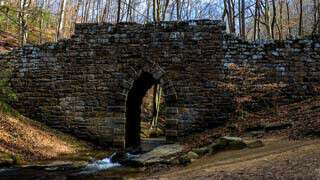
x,y
100,169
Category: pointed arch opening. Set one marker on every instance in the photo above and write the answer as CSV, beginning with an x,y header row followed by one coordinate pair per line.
x,y
142,113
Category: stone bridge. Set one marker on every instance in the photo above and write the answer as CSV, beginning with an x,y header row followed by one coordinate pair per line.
x,y
92,84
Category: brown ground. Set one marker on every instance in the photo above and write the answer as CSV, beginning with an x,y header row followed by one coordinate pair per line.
x,y
7,42
30,140
278,159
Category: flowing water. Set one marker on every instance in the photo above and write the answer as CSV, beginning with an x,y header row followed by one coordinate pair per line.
x,y
101,169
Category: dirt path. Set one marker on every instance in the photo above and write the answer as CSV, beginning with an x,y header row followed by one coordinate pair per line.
x,y
278,159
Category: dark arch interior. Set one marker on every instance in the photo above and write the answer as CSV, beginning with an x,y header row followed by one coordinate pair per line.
x,y
133,108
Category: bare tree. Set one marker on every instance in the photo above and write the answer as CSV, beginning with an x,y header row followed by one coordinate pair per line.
x,y
316,14
274,20
23,25
280,19
76,11
165,8
242,23
97,11
300,18
288,19
61,19
106,11
158,10
230,12
267,21
148,11
41,22
256,19
178,6
119,11
318,6
154,10
129,11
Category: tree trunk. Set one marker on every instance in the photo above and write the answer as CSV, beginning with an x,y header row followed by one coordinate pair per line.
x,y
300,18
267,19
224,13
240,16
172,12
233,20
258,23
156,105
7,18
255,20
288,18
106,11
229,8
119,11
87,11
315,16
158,10
165,8
76,11
61,19
274,20
154,10
41,23
98,5
148,11
242,20
23,27
178,10
281,19
318,16
128,10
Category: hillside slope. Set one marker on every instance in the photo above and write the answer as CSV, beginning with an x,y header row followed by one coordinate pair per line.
x,y
291,150
29,140
278,159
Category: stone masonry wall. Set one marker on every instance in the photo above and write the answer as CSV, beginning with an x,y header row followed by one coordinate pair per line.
x,y
80,85
294,64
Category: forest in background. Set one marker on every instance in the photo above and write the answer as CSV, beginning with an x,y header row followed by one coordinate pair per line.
x,y
39,21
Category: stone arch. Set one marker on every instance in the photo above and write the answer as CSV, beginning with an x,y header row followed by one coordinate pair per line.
x,y
140,82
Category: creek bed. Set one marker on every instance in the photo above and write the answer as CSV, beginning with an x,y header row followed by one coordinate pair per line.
x,y
96,170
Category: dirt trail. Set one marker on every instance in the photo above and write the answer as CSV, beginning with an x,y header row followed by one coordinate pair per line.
x,y
278,159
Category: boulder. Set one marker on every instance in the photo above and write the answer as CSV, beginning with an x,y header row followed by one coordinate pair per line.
x,y
119,157
161,154
227,143
184,160
201,151
232,143
192,155
254,143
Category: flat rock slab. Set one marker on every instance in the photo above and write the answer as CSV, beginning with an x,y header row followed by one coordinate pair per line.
x,y
161,154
